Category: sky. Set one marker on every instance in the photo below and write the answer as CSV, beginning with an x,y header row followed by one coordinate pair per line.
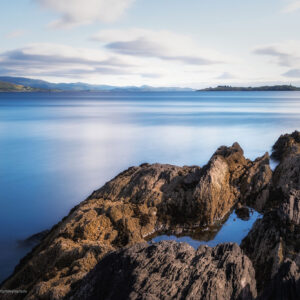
x,y
191,43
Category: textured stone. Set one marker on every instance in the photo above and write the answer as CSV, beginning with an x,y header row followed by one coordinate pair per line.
x,y
275,239
170,270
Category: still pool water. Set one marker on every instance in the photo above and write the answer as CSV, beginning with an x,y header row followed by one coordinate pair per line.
x,y
56,148
233,230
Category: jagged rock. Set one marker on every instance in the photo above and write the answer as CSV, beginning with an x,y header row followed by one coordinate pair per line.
x,y
264,246
285,145
170,270
276,238
134,205
289,210
255,183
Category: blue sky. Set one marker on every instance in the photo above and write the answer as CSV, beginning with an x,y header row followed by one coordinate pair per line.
x,y
192,43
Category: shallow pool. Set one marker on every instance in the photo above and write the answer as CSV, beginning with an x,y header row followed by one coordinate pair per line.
x,y
234,229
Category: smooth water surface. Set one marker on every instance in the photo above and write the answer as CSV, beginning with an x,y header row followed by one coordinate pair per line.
x,y
233,230
56,148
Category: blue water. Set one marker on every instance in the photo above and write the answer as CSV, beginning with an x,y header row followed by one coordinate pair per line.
x,y
56,148
233,230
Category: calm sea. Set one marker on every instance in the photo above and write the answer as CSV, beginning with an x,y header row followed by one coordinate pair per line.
x,y
55,149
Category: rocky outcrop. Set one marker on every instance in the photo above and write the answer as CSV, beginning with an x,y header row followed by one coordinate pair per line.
x,y
134,205
274,241
170,270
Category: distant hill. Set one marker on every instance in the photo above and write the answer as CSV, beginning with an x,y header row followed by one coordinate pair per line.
x,y
224,88
79,86
10,87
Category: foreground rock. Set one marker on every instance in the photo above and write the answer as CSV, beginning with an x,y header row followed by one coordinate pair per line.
x,y
170,270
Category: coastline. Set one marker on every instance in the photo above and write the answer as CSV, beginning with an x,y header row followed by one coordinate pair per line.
x,y
113,221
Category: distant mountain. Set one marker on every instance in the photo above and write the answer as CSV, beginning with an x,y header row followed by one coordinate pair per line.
x,y
79,86
147,88
10,87
225,88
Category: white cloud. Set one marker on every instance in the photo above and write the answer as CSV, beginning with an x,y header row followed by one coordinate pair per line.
x,y
163,45
292,7
124,57
78,12
63,63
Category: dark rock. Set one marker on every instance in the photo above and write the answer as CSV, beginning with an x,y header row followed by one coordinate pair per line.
x,y
170,270
264,246
286,179
243,212
256,182
285,284
285,145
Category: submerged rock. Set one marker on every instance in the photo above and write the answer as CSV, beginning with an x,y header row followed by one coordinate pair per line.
x,y
242,212
170,270
34,239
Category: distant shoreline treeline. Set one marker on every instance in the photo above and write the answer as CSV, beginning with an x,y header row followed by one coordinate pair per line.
x,y
227,88
21,84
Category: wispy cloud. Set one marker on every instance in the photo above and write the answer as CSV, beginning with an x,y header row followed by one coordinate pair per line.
x,y
286,54
59,60
163,45
15,34
79,12
292,7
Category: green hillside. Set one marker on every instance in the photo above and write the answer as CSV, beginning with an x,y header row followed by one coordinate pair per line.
x,y
10,87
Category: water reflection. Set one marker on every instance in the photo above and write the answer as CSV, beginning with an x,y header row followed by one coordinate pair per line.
x,y
233,229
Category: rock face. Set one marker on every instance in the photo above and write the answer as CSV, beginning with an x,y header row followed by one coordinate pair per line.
x,y
256,182
170,270
274,241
